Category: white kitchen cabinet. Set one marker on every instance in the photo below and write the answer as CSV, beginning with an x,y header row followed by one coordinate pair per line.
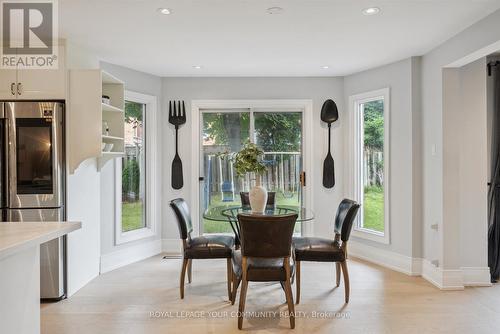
x,y
41,85
7,84
35,84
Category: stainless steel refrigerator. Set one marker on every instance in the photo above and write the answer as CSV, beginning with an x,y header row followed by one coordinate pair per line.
x,y
33,179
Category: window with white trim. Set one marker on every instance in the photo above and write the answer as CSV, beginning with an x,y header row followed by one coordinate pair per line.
x,y
370,128
136,172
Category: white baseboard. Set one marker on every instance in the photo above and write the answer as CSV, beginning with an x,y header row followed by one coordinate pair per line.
x,y
444,279
130,255
401,263
432,274
171,247
452,279
476,276
416,266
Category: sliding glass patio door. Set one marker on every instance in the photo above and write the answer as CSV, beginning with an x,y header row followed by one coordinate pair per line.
x,y
277,132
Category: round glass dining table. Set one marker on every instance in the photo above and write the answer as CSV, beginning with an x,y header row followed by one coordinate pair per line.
x,y
229,214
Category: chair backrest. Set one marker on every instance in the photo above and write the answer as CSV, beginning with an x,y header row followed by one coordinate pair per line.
x,y
245,199
346,213
266,236
184,224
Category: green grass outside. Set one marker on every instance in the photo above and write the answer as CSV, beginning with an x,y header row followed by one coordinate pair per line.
x,y
373,209
210,226
132,216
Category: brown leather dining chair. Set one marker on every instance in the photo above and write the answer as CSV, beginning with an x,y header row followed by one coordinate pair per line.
x,y
202,247
271,199
327,250
264,256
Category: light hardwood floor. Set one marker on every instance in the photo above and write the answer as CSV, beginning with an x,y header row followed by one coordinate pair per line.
x,y
144,298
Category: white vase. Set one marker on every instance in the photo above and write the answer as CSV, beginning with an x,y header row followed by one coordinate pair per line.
x,y
258,199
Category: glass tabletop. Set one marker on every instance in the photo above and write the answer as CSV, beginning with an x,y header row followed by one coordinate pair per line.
x,y
225,213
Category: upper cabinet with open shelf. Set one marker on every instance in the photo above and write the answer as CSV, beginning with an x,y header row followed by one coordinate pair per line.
x,y
96,117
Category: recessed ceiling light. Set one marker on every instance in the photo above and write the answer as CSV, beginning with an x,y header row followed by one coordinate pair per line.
x,y
197,67
325,67
275,10
164,11
371,11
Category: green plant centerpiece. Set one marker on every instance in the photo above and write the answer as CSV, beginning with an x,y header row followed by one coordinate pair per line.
x,y
249,160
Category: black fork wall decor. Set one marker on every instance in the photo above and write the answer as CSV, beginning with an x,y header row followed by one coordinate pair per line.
x,y
177,117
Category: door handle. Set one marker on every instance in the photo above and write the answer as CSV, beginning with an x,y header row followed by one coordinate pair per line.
x,y
303,179
12,88
19,88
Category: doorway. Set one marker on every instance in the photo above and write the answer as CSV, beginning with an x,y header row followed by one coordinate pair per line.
x,y
278,128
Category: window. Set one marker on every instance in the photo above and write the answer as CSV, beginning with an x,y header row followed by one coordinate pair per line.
x,y
370,128
134,168
135,172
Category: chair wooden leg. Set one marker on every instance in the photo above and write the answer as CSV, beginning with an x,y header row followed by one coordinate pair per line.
x,y
236,284
229,278
190,270
346,280
241,308
337,270
288,294
243,294
297,282
183,275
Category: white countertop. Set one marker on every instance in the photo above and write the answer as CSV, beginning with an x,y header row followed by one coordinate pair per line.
x,y
15,236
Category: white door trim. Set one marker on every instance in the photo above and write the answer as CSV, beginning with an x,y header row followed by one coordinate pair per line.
x,y
290,104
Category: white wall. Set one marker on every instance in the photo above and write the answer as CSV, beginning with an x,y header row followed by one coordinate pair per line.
x,y
316,89
452,124
465,164
465,167
417,200
473,208
473,43
402,78
146,84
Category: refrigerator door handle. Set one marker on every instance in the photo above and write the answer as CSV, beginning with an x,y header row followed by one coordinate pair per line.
x,y
11,152
5,164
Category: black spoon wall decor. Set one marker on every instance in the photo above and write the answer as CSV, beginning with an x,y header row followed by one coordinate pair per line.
x,y
177,117
329,114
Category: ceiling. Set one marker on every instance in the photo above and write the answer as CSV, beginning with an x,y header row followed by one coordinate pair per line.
x,y
239,38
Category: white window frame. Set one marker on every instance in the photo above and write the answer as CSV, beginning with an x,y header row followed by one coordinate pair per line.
x,y
151,180
304,106
356,167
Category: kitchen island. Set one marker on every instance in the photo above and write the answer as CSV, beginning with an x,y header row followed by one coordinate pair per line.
x,y
20,272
